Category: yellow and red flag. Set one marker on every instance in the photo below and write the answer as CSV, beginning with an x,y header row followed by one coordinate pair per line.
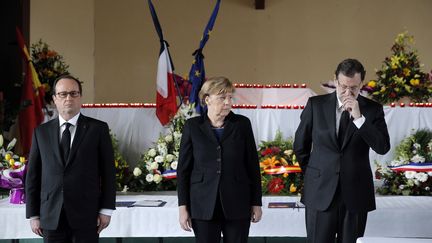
x,y
32,98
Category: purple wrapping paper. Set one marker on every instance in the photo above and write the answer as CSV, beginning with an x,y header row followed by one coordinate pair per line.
x,y
13,179
17,196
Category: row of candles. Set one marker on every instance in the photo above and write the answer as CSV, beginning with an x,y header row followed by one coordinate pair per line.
x,y
152,105
411,104
242,85
235,106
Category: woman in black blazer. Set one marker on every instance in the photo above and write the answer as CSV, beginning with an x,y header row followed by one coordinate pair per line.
x,y
218,176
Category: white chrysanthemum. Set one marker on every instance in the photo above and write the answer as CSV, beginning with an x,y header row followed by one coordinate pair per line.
x,y
401,187
162,148
149,177
421,176
430,145
430,173
137,172
177,135
152,152
148,166
427,188
125,188
159,158
418,159
169,157
1,140
176,154
410,174
157,178
168,138
154,166
174,165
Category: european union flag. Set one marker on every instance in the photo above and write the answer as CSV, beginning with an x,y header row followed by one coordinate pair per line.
x,y
197,72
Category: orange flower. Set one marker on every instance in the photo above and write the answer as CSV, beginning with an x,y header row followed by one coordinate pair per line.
x,y
51,53
270,162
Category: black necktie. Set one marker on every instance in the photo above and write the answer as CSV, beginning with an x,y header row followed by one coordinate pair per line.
x,y
343,125
65,142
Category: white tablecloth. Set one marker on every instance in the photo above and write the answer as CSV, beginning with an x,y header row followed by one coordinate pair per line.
x,y
392,240
137,128
396,216
273,96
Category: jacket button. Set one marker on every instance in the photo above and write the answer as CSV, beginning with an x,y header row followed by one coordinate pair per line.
x,y
218,147
218,172
218,159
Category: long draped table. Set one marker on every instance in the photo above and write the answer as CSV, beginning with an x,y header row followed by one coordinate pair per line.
x,y
396,216
138,128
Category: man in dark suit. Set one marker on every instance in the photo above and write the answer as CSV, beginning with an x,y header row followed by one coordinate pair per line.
x,y
332,145
70,184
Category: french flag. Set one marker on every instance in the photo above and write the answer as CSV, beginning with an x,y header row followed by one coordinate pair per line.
x,y
166,97
169,174
417,167
166,101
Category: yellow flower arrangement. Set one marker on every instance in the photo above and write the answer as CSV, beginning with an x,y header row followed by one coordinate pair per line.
x,y
400,75
48,64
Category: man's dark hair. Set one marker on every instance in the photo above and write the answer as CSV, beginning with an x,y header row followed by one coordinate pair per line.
x,y
349,67
66,76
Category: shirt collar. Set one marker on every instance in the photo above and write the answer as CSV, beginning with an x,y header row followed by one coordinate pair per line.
x,y
72,121
339,104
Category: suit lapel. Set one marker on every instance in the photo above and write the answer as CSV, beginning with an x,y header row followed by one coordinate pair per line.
x,y
54,137
80,131
330,116
206,129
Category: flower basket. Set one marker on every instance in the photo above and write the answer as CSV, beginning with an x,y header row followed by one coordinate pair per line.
x,y
280,171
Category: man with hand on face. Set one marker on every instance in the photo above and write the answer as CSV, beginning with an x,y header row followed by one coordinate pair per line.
x,y
70,184
332,145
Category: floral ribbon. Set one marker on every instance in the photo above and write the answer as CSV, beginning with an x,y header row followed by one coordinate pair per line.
x,y
169,174
418,167
277,170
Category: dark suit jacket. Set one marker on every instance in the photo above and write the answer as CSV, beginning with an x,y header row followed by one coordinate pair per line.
x,y
229,168
325,163
84,185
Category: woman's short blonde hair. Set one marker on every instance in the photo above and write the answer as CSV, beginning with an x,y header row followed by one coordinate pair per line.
x,y
215,86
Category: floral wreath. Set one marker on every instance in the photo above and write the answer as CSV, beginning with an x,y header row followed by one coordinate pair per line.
x,y
410,173
280,171
157,168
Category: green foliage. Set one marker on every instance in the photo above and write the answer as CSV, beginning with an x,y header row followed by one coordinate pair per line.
x,y
123,175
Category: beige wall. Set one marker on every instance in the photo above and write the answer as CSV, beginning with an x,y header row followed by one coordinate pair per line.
x,y
68,27
289,41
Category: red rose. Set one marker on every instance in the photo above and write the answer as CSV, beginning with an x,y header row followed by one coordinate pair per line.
x,y
275,185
